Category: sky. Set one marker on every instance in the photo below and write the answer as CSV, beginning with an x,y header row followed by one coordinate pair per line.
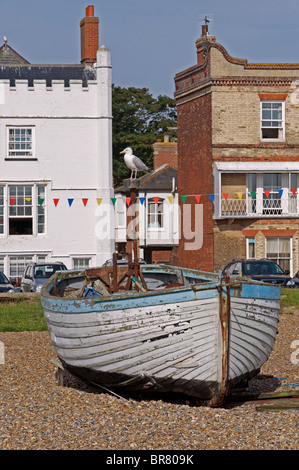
x,y
152,40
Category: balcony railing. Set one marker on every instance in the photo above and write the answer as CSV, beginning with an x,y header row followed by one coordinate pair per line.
x,y
261,206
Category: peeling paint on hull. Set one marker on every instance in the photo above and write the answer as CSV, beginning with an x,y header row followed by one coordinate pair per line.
x,y
197,339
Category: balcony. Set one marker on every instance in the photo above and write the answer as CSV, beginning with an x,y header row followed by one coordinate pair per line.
x,y
259,206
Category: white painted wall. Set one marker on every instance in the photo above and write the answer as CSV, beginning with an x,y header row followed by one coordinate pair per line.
x,y
73,150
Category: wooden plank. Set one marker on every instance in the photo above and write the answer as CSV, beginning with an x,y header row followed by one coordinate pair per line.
x,y
279,405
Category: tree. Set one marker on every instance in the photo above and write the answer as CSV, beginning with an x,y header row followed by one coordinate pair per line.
x,y
138,121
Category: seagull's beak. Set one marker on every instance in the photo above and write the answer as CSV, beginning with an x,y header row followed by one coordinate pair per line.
x,y
122,152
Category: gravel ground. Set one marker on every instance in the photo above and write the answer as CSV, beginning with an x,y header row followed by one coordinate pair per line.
x,y
37,414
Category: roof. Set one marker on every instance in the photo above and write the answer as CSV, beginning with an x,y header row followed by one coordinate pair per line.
x,y
160,179
14,67
8,56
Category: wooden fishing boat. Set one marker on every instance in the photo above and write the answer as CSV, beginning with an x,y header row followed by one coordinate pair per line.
x,y
161,328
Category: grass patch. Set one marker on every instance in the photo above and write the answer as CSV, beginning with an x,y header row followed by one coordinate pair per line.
x,y
290,298
22,313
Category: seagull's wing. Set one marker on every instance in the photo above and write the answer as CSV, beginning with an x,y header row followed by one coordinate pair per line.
x,y
139,164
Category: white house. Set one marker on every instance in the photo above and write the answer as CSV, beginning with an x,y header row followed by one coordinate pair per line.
x,y
152,217
56,158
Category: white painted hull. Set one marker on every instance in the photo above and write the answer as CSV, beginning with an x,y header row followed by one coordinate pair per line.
x,y
171,346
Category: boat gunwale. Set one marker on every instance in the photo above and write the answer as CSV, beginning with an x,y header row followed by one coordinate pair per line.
x,y
213,281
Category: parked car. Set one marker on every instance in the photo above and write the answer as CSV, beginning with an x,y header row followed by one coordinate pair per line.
x,y
296,279
5,284
260,270
36,274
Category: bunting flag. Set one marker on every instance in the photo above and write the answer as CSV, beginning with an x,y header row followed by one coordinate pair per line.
x,y
40,201
198,198
12,201
28,199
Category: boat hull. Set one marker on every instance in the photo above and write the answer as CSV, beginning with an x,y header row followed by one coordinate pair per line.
x,y
197,340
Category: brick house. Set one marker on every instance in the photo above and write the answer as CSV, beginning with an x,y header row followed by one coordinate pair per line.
x,y
55,156
238,150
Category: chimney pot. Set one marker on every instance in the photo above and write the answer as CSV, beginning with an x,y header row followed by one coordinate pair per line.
x,y
204,30
90,10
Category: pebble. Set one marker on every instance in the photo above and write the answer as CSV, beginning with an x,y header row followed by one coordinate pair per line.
x,y
38,414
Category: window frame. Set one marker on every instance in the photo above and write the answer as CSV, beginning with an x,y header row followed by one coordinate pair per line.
x,y
156,214
20,154
35,209
279,259
280,138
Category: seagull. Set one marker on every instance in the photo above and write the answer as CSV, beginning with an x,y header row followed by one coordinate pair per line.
x,y
133,162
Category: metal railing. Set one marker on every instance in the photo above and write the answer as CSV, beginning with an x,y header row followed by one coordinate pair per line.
x,y
260,206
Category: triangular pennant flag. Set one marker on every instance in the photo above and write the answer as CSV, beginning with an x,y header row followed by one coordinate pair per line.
x,y
280,191
170,199
40,201
28,199
70,201
12,201
128,200
84,200
240,195
113,199
56,201
294,191
197,197
142,199
156,199
211,196
267,192
99,199
253,194
184,199
225,195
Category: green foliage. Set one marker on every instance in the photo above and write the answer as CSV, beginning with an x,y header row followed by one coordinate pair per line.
x,y
138,121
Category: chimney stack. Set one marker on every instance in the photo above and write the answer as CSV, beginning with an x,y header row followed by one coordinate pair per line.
x,y
89,27
202,44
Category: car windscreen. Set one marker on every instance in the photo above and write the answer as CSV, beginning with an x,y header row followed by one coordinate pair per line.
x,y
45,271
3,279
261,267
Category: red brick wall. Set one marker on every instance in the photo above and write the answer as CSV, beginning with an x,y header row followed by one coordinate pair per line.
x,y
165,153
195,177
